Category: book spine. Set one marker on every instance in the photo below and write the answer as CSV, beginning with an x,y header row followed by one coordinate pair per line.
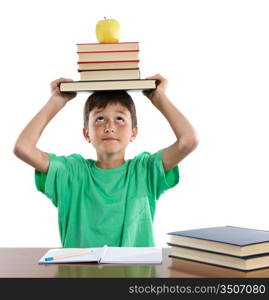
x,y
108,69
111,51
103,254
106,61
107,43
116,80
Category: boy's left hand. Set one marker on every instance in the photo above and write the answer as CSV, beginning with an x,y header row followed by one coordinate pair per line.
x,y
161,84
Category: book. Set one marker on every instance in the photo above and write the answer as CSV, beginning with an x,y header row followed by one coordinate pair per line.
x,y
230,240
244,263
201,269
111,255
84,47
101,85
109,74
103,65
99,56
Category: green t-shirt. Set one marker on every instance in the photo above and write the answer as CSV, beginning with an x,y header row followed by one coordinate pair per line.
x,y
113,207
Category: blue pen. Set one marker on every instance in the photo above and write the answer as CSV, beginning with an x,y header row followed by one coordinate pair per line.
x,y
52,258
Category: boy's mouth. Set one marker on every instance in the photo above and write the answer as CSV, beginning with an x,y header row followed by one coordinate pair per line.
x,y
110,139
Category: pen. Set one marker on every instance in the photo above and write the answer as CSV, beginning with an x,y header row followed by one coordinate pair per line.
x,y
51,258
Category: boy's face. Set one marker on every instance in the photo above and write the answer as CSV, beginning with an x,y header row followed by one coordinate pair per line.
x,y
110,129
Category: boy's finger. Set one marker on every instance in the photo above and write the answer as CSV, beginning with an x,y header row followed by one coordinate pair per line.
x,y
56,83
65,79
61,80
156,77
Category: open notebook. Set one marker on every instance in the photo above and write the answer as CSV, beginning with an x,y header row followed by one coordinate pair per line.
x,y
114,255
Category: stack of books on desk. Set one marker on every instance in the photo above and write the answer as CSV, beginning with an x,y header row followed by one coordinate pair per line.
x,y
108,66
192,268
227,246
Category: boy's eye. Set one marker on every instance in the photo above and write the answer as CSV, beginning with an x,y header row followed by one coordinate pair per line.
x,y
120,119
100,119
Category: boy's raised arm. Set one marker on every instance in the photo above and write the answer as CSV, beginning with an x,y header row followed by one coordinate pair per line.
x,y
186,136
25,147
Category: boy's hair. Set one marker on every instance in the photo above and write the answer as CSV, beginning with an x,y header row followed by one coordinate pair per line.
x,y
101,99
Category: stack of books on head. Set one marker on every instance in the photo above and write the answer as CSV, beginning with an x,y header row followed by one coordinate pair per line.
x,y
227,246
108,66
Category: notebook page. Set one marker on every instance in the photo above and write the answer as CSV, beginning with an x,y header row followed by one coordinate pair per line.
x,y
128,255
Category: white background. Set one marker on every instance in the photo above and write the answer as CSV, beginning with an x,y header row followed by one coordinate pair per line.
x,y
215,57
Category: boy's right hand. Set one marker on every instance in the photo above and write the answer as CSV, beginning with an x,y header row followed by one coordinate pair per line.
x,y
56,93
25,147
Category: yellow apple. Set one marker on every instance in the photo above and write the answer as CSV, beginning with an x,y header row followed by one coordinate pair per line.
x,y
108,31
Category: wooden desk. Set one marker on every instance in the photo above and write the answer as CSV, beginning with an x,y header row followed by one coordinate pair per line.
x,y
22,263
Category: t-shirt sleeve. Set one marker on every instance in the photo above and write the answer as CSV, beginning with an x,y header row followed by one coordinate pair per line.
x,y
56,181
158,181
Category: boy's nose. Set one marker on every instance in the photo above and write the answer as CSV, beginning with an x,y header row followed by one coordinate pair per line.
x,y
109,129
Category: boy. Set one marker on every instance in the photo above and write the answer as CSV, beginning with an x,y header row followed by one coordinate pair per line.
x,y
108,201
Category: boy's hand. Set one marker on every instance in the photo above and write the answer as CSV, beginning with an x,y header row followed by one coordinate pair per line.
x,y
56,93
161,84
25,147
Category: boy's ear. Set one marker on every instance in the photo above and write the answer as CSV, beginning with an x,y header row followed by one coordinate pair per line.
x,y
86,134
134,134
